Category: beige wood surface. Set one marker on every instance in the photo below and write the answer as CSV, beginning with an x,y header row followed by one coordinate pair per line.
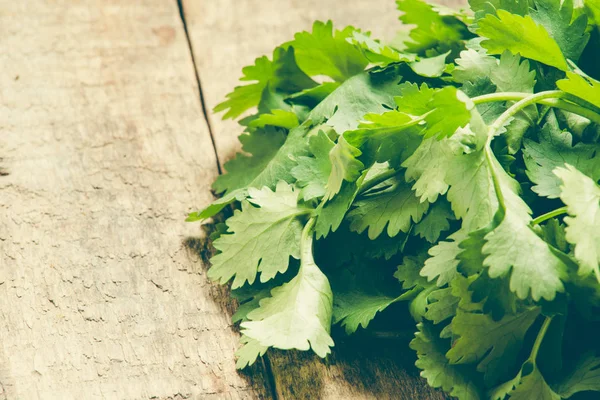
x,y
229,34
103,151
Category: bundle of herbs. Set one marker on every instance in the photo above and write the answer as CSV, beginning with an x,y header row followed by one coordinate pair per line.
x,y
455,170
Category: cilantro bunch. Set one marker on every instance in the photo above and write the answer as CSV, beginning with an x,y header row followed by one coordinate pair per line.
x,y
455,170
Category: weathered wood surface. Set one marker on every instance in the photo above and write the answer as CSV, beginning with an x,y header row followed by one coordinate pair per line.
x,y
103,151
229,34
106,150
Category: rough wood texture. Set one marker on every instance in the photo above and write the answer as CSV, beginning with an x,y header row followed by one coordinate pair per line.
x,y
103,151
229,34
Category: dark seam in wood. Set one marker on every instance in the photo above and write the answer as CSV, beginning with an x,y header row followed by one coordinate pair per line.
x,y
271,384
199,84
269,378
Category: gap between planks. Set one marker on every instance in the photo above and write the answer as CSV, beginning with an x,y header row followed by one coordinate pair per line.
x,y
198,83
266,364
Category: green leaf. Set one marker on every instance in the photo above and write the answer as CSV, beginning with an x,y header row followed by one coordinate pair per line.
x,y
378,53
473,65
427,166
331,213
512,74
520,35
408,273
281,74
298,315
585,88
583,376
514,248
273,157
344,167
312,173
313,96
249,248
389,137
431,67
367,92
413,99
396,207
278,118
216,206
450,110
354,309
459,381
582,197
433,33
436,221
247,354
533,386
567,29
442,305
443,261
494,346
553,150
327,52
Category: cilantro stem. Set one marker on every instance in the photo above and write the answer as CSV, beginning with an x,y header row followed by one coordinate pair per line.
x,y
376,180
548,215
539,339
521,104
574,104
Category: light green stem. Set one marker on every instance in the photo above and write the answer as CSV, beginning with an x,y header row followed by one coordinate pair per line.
x,y
548,215
539,339
560,100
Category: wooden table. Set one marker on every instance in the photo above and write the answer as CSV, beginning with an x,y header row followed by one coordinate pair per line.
x,y
107,141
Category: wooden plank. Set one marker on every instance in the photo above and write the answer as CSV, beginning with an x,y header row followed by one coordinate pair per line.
x,y
227,35
103,151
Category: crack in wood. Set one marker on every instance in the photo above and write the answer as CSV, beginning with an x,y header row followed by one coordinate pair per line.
x,y
198,82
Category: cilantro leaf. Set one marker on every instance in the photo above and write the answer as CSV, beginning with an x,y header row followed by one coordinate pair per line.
x,y
436,221
272,159
522,35
396,208
378,53
585,88
583,376
298,315
367,92
434,33
248,249
278,118
344,166
451,109
555,149
493,345
327,52
443,261
457,380
513,247
247,354
312,173
567,29
582,197
280,74
533,386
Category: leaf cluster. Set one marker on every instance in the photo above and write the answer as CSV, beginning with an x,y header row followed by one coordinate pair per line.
x,y
454,172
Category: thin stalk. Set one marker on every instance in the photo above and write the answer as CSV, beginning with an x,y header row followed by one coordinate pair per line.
x,y
573,104
548,215
376,180
521,104
539,339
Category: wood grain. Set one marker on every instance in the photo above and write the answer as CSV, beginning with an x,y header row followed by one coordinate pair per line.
x,y
103,151
229,34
